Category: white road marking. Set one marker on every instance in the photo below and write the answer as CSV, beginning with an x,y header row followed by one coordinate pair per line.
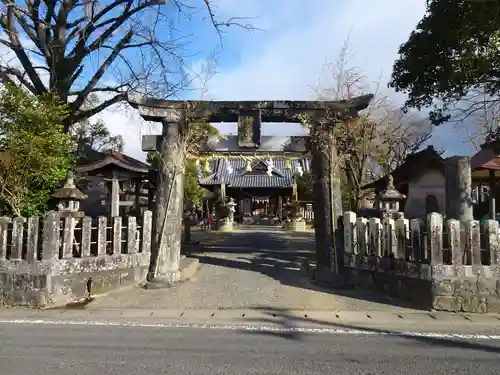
x,y
261,328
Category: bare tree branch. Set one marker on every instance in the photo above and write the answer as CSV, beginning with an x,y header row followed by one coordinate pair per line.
x,y
86,113
91,46
380,139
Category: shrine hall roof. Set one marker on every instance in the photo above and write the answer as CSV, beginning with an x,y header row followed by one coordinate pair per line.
x,y
487,158
239,178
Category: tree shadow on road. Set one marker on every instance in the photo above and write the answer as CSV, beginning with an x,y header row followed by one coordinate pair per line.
x,y
280,256
290,329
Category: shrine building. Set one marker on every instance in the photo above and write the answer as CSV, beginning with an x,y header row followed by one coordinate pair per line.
x,y
257,171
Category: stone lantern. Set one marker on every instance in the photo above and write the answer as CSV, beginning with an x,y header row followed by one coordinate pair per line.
x,y
389,198
231,206
228,224
69,197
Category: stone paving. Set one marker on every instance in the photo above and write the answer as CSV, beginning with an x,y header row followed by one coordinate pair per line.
x,y
251,268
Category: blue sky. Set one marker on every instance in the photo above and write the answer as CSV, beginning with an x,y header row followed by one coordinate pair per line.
x,y
286,59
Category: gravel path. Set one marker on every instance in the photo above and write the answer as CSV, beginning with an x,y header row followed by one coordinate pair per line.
x,y
246,269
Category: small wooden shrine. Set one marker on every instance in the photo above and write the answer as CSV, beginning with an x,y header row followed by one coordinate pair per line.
x,y
117,184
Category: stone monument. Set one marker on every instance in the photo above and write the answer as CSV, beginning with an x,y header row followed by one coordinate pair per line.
x,y
69,197
228,224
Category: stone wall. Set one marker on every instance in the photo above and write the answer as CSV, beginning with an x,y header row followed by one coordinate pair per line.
x,y
53,261
451,266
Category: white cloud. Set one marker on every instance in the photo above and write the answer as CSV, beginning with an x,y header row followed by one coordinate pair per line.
x,y
286,62
123,120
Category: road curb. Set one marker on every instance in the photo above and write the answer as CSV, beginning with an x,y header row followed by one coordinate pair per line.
x,y
370,321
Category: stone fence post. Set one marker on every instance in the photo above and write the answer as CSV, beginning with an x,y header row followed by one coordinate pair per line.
x,y
492,241
132,240
16,247
32,239
424,241
402,229
4,225
86,236
102,235
51,235
147,221
117,235
400,239
435,238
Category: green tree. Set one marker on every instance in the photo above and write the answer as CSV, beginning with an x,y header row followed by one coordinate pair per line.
x,y
192,190
151,157
197,136
34,150
88,136
451,59
304,186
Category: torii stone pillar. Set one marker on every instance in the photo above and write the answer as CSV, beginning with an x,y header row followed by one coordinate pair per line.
x,y
327,202
169,207
169,199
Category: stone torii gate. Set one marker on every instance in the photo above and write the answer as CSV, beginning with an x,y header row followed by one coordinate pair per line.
x,y
176,115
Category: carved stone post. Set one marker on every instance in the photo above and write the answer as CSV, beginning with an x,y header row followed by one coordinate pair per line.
x,y
337,262
458,186
115,196
327,204
321,191
167,221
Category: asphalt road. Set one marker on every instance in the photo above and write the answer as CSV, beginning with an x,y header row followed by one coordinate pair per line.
x,y
28,349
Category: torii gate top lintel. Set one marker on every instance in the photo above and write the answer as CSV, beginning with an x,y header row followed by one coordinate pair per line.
x,y
228,111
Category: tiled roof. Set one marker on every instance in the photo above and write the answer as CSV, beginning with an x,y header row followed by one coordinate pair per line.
x,y
487,158
281,178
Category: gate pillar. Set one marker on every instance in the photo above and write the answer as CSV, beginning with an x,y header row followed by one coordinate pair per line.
x,y
327,203
169,205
